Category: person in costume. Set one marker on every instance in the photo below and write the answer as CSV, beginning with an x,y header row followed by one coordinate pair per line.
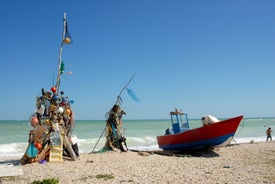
x,y
114,127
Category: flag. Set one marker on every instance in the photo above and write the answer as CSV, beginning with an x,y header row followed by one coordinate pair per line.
x,y
132,95
67,34
62,67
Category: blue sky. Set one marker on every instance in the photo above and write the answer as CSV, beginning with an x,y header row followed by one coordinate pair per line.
x,y
206,57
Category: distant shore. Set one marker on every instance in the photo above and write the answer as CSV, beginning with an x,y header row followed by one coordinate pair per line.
x,y
237,163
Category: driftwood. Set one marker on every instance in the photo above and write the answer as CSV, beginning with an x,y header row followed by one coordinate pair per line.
x,y
68,146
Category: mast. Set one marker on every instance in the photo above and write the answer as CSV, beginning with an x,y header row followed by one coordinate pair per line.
x,y
60,54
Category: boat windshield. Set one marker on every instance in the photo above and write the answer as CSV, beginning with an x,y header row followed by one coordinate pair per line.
x,y
179,122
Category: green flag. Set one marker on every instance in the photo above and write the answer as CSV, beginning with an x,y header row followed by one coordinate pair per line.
x,y
62,67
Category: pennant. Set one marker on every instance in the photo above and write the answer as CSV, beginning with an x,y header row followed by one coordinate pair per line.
x,y
132,95
68,38
62,67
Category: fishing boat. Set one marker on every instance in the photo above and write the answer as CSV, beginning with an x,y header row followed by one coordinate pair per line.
x,y
213,133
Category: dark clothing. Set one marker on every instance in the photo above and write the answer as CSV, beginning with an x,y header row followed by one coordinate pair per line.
x,y
268,134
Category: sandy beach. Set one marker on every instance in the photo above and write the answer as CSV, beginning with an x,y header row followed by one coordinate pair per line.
x,y
237,163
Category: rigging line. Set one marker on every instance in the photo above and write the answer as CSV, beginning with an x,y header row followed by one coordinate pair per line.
x,y
240,130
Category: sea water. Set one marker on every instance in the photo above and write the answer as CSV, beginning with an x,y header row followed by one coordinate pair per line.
x,y
140,134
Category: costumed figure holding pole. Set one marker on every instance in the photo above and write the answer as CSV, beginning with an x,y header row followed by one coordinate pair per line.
x,y
114,135
114,127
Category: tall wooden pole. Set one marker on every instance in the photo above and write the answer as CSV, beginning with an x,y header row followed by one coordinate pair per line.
x,y
60,54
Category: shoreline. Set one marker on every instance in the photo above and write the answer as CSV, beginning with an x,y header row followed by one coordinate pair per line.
x,y
236,163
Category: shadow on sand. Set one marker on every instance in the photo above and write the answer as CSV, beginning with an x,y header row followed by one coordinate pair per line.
x,y
206,153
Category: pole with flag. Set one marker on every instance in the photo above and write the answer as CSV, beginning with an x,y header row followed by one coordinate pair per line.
x,y
66,38
129,91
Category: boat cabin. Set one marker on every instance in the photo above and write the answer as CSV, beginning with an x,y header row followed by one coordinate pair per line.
x,y
179,122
